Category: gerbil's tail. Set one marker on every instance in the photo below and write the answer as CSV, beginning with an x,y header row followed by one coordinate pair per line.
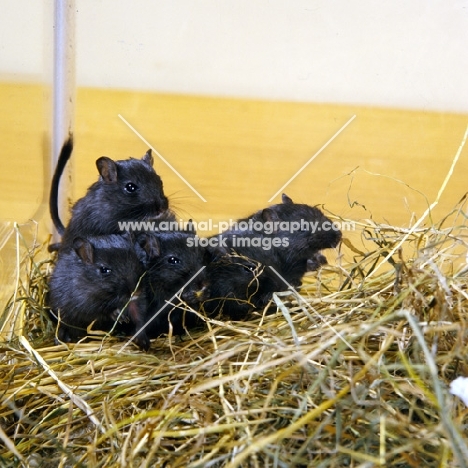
x,y
64,156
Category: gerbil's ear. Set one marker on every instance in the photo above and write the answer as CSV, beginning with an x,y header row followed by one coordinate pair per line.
x,y
84,250
148,158
214,253
150,244
108,169
286,199
269,215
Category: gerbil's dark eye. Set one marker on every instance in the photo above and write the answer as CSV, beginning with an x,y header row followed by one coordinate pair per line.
x,y
250,268
131,187
104,270
173,260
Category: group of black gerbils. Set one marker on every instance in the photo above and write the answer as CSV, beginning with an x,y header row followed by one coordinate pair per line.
x,y
147,283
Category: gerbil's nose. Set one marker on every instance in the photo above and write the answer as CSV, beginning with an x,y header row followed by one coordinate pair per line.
x,y
202,293
338,238
195,295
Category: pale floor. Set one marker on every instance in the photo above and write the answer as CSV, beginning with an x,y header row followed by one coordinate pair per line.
x,y
387,165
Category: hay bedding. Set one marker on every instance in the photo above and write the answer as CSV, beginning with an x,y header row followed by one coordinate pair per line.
x,y
354,371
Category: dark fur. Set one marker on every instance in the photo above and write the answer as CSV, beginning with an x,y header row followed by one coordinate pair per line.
x,y
304,244
127,190
93,281
301,254
239,284
290,211
64,156
170,264
246,277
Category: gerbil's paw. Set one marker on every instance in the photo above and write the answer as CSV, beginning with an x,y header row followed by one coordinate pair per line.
x,y
142,341
63,335
116,316
316,261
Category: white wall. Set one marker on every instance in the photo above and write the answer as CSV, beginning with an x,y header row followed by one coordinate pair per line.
x,y
400,53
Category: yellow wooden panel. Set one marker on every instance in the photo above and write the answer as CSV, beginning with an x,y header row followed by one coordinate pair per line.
x,y
238,153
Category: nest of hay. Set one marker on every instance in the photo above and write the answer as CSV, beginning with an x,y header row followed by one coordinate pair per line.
x,y
353,371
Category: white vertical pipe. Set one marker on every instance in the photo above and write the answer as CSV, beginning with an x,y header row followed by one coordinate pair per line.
x,y
63,93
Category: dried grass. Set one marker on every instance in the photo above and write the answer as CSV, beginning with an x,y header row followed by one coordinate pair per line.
x,y
354,371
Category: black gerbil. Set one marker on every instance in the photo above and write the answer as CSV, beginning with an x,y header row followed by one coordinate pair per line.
x,y
306,228
97,280
308,221
172,261
239,284
253,267
285,239
127,190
